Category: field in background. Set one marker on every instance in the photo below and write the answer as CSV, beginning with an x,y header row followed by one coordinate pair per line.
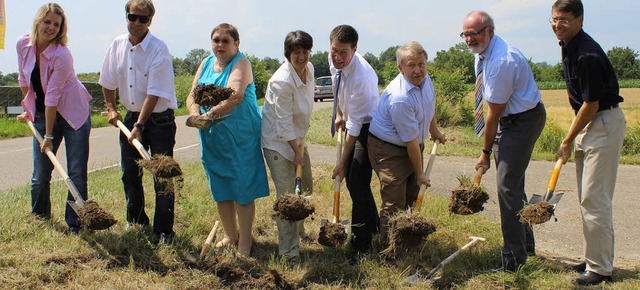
x,y
558,108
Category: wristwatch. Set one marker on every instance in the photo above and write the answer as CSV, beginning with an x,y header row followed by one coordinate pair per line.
x,y
488,152
139,126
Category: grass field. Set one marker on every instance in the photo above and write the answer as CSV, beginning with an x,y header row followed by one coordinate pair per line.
x,y
39,254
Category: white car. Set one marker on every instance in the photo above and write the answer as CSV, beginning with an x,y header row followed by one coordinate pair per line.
x,y
323,89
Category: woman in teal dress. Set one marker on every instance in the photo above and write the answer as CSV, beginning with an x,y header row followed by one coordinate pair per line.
x,y
230,146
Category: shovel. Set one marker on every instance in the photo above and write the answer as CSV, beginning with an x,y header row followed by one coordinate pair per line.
x,y
207,244
427,172
172,167
415,278
298,182
549,195
476,180
336,192
78,202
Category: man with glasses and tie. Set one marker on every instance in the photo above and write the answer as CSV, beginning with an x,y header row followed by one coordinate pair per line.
x,y
140,66
514,121
356,97
598,132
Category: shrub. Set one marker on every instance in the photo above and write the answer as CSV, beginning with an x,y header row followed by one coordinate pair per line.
x,y
550,138
631,143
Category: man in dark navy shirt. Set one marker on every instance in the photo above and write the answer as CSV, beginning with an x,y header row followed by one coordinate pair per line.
x,y
598,131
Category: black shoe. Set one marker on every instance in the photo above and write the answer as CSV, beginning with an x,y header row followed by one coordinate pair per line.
x,y
354,259
74,230
166,238
591,278
506,267
580,268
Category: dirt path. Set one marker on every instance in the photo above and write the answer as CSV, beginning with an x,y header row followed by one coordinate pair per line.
x,y
562,239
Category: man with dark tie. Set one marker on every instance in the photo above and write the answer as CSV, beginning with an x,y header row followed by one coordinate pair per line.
x,y
356,88
514,121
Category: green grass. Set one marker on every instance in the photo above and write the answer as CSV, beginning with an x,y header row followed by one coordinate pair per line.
x,y
39,254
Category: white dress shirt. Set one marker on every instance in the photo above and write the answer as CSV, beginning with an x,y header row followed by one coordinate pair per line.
x,y
138,71
288,104
358,93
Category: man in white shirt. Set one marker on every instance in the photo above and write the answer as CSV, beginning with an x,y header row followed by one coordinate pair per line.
x,y
404,119
357,97
139,65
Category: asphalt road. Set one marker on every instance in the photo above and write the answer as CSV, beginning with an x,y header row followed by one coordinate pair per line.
x,y
561,239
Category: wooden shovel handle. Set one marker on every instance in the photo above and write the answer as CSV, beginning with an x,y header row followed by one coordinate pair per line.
x,y
427,173
476,180
72,188
553,180
136,143
336,188
207,243
298,180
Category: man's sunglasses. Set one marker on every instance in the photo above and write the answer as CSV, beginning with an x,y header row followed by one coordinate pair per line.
x,y
133,17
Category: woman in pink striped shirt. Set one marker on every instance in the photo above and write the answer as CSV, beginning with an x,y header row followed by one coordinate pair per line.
x,y
57,104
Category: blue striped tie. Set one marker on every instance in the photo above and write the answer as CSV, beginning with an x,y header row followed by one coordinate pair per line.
x,y
479,110
335,102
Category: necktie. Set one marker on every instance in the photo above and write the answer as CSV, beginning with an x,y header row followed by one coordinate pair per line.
x,y
335,102
479,110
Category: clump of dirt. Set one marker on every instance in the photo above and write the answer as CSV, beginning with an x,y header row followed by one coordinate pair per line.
x,y
332,235
210,95
537,213
407,230
94,217
293,207
467,199
161,166
272,279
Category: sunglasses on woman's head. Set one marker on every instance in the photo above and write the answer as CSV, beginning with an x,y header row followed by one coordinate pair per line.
x,y
133,17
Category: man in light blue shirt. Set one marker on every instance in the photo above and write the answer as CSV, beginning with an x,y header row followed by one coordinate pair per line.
x,y
404,118
515,119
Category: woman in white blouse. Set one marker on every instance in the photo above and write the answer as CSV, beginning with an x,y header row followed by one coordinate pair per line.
x,y
285,122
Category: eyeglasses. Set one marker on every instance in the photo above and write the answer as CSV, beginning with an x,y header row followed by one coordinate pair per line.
x,y
560,21
223,40
472,34
133,17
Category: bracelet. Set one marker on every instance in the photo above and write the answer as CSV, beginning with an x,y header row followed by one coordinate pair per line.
x,y
488,152
48,136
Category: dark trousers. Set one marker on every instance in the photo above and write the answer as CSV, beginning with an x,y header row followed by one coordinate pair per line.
x,y
159,135
514,143
364,214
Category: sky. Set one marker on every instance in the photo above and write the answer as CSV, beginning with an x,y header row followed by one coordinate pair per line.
x,y
263,24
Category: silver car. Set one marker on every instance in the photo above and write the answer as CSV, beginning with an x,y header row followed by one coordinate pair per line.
x,y
323,89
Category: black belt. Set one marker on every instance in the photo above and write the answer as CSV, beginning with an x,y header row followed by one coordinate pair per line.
x,y
166,112
608,107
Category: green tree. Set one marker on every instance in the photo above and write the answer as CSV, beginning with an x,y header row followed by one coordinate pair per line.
x,y
260,75
373,61
625,62
272,64
193,59
389,55
320,61
388,73
457,58
178,67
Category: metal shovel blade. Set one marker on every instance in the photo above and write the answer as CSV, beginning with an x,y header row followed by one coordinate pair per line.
x,y
536,198
74,205
555,199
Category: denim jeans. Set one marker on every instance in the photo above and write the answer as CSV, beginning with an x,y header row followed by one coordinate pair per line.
x,y
77,147
159,135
